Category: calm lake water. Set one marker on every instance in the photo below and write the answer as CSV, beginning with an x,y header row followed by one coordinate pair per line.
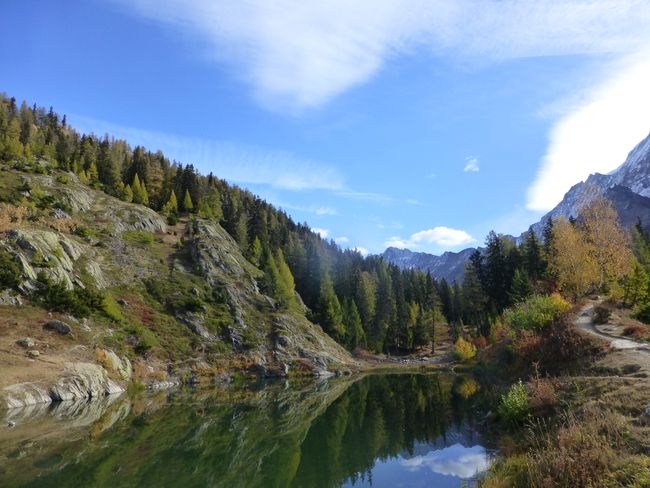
x,y
380,430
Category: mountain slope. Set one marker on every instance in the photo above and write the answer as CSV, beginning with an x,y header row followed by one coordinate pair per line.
x,y
173,302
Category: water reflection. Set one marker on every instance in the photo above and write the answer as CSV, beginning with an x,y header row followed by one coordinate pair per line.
x,y
389,430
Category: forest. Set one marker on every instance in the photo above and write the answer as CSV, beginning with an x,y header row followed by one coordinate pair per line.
x,y
359,301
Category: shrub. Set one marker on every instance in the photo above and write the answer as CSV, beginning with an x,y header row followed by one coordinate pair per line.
x,y
172,219
79,302
536,313
557,349
514,407
634,330
479,342
643,313
464,350
601,314
541,396
10,274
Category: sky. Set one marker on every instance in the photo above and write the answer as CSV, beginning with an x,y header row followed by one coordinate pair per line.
x,y
421,124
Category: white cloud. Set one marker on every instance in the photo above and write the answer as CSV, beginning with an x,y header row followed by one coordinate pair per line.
x,y
298,54
596,133
444,237
341,240
321,232
471,164
238,163
361,250
396,241
457,460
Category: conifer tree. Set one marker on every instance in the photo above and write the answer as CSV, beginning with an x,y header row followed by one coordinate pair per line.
x,y
171,207
329,310
286,284
127,195
140,194
521,288
255,251
354,333
188,206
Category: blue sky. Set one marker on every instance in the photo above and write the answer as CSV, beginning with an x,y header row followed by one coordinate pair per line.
x,y
421,124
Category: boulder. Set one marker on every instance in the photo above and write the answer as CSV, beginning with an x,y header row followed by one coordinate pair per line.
x,y
84,380
24,394
33,353
27,342
112,362
9,298
58,326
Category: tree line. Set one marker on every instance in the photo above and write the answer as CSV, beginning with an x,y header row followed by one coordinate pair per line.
x,y
356,300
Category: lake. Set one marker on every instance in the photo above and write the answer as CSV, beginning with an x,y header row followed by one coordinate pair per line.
x,y
386,430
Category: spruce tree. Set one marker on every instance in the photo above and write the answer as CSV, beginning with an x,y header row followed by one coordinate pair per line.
x,y
286,284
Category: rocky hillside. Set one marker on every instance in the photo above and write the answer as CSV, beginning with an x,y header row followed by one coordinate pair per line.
x,y
99,292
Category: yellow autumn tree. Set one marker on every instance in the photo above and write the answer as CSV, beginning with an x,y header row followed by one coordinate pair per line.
x,y
608,244
572,261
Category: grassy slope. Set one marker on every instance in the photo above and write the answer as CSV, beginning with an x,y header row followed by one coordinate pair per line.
x,y
129,252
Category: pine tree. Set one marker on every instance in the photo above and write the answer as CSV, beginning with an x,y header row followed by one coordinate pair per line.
x,y
286,284
140,194
255,251
521,288
188,206
354,333
171,207
127,195
330,316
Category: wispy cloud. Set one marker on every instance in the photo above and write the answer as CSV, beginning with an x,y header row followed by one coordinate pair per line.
x,y
298,54
313,209
471,164
367,196
235,162
444,237
596,132
341,240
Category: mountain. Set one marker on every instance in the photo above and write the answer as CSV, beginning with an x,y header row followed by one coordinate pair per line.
x,y
449,265
628,188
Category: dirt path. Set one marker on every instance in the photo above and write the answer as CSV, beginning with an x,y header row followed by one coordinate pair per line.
x,y
624,351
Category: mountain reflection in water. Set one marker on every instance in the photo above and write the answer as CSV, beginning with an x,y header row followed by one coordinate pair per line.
x,y
380,430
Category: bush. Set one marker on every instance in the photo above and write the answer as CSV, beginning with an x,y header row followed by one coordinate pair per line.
x,y
558,349
464,350
601,314
634,331
514,407
643,313
79,302
541,397
10,274
536,313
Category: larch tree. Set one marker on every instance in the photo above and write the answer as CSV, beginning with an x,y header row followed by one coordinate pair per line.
x,y
572,262
608,244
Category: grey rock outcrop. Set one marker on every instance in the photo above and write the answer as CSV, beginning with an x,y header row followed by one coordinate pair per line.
x,y
84,380
57,326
